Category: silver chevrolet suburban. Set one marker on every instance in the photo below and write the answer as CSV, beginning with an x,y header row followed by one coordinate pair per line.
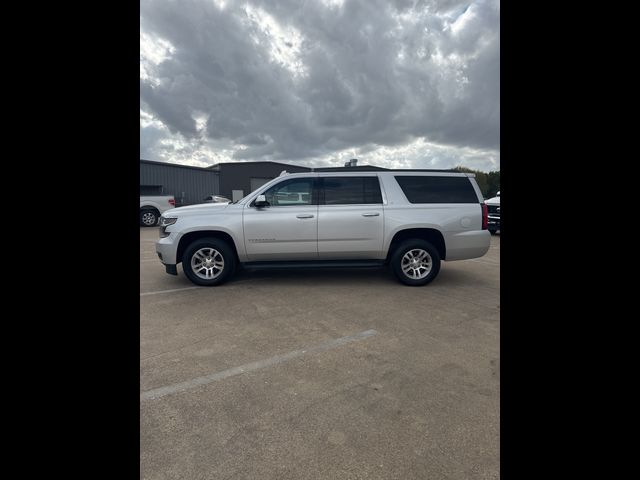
x,y
409,220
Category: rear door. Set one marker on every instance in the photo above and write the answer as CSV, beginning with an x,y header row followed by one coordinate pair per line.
x,y
350,217
288,228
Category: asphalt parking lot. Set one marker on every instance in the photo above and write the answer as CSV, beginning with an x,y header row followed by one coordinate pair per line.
x,y
320,374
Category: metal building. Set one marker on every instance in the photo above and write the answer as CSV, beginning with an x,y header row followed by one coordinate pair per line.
x,y
239,179
189,185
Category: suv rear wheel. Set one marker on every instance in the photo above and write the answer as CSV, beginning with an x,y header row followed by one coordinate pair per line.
x,y
415,262
208,262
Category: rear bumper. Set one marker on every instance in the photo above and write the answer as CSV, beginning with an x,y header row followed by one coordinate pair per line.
x,y
466,245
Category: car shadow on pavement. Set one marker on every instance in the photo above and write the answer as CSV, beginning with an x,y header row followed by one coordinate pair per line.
x,y
457,276
328,276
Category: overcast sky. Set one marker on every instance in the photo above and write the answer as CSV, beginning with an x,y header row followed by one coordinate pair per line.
x,y
395,83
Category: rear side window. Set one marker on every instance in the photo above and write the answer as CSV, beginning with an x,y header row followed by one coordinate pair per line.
x,y
429,189
351,190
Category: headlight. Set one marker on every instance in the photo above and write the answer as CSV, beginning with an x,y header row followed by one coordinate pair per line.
x,y
166,221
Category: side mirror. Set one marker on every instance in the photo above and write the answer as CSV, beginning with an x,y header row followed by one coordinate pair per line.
x,y
498,194
261,201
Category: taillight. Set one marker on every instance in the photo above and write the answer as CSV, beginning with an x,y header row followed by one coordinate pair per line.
x,y
172,202
485,216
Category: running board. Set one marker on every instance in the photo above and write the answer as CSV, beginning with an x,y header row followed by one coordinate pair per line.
x,y
317,264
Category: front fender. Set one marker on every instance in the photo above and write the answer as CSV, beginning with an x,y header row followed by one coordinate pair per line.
x,y
228,224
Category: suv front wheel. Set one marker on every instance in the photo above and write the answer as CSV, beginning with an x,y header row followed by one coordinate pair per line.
x,y
208,262
415,262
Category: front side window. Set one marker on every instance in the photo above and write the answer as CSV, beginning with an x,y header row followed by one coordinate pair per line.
x,y
297,191
351,190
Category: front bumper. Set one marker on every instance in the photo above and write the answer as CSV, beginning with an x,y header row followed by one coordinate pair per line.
x,y
171,269
166,248
493,223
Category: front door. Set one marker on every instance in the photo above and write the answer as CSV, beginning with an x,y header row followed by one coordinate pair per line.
x,y
287,229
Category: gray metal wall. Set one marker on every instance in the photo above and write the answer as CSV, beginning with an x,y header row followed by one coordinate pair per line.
x,y
195,183
237,176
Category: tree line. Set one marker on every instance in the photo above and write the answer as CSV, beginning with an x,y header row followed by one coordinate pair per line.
x,y
489,183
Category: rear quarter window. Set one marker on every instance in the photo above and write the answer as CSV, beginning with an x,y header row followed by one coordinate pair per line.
x,y
431,189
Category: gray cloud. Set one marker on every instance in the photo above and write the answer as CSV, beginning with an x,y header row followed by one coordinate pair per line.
x,y
274,80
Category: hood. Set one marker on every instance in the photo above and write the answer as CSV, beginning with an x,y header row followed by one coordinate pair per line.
x,y
493,201
200,209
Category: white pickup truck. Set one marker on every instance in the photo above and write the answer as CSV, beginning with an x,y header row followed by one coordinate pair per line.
x,y
409,220
151,207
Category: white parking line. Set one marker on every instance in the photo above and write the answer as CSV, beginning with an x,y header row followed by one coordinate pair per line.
x,y
249,367
167,291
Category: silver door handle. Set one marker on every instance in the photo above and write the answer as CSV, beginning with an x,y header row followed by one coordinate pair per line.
x,y
304,215
370,214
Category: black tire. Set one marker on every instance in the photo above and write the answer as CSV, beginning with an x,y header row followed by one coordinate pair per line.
x,y
209,247
149,217
493,232
415,244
